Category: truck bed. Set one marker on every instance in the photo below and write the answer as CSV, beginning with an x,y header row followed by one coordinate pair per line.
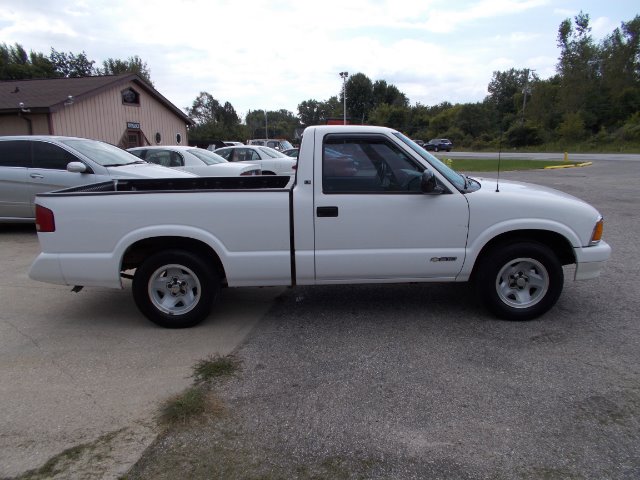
x,y
262,182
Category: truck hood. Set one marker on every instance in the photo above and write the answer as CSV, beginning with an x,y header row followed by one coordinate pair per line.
x,y
519,204
145,170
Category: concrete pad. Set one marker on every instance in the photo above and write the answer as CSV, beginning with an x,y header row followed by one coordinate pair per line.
x,y
88,369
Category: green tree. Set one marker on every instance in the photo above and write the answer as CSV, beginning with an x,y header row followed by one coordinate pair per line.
x,y
505,90
310,112
578,68
620,69
205,109
134,64
71,65
393,116
359,91
389,94
17,64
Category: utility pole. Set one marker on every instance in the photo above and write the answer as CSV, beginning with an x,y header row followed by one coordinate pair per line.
x,y
266,125
344,76
525,91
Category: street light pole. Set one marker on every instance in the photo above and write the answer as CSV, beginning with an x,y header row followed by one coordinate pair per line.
x,y
266,125
344,76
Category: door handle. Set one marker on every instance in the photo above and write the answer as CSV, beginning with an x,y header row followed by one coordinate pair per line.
x,y
327,211
36,175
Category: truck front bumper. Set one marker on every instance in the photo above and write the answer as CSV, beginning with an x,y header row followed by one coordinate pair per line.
x,y
590,260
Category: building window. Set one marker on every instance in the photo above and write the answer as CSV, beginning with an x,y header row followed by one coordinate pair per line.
x,y
158,137
178,138
130,97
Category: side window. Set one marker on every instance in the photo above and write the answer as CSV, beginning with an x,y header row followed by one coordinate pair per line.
x,y
159,157
226,154
176,160
51,157
254,155
15,153
367,165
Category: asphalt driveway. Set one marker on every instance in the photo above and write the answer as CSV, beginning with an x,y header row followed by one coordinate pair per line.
x,y
417,381
406,381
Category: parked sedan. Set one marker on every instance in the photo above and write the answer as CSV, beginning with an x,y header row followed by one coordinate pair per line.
x,y
292,152
194,160
40,163
271,161
438,144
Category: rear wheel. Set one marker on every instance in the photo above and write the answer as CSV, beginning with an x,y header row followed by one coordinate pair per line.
x,y
520,281
175,288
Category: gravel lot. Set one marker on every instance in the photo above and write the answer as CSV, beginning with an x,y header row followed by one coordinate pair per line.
x,y
418,381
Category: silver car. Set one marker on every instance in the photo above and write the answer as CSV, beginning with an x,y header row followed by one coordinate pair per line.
x,y
194,160
40,163
271,161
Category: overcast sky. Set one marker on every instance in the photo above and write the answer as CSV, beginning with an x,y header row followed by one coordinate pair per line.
x,y
274,54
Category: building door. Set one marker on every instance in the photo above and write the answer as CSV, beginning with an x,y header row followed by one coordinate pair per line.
x,y
134,139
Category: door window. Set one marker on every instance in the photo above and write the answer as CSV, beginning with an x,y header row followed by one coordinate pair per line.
x,y
51,157
367,164
14,153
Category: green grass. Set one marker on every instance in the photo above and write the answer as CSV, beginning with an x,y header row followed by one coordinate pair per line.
x,y
215,367
198,399
491,165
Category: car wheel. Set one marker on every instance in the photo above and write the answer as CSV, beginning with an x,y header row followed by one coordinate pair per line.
x,y
175,288
520,281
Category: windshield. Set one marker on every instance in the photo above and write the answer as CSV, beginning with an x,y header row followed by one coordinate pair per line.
x,y
454,177
285,145
102,153
271,152
206,156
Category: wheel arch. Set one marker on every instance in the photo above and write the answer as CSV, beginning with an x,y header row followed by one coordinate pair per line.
x,y
559,244
136,253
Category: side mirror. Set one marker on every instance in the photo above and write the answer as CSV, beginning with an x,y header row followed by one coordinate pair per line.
x,y
76,167
429,184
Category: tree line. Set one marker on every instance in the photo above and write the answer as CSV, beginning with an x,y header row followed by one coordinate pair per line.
x,y
17,64
592,101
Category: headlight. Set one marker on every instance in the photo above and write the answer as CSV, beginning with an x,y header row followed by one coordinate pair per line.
x,y
596,236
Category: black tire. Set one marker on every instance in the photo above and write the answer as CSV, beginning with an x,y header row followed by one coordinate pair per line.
x,y
519,281
175,288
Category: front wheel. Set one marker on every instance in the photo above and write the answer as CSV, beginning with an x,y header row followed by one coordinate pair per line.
x,y
520,281
175,289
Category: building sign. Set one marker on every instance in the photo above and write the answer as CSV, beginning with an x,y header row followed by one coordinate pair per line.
x,y
133,125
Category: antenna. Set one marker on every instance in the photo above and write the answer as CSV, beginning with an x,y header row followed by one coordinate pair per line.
x,y
499,159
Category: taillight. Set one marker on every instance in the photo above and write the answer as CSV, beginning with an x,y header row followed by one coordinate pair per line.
x,y
45,222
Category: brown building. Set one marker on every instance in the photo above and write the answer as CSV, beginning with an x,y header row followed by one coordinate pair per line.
x,y
120,109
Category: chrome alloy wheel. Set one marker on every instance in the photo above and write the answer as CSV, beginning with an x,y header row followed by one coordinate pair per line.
x,y
522,282
174,289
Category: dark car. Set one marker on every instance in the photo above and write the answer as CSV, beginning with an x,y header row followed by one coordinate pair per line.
x,y
438,144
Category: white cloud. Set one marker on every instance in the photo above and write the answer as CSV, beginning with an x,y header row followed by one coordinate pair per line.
x,y
277,53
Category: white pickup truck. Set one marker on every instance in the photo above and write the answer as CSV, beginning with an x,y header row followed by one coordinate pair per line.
x,y
367,205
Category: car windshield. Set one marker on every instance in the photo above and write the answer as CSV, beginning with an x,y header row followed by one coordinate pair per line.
x,y
206,156
102,153
285,145
454,177
271,152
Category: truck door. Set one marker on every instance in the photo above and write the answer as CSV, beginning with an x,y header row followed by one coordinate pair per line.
x,y
372,221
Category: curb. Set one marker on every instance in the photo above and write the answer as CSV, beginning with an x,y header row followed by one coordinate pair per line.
x,y
553,167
